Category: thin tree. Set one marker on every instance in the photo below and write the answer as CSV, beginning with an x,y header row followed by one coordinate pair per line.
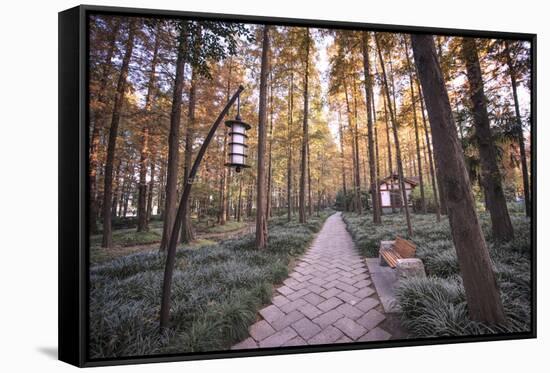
x,y
173,139
113,134
343,159
435,188
482,293
305,136
356,206
415,121
519,129
145,146
270,149
187,232
356,146
289,175
376,215
261,218
223,214
490,173
396,141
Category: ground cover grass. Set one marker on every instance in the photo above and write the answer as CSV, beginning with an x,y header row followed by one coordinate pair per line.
x,y
436,305
217,290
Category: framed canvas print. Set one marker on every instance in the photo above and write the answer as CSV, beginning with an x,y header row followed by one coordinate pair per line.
x,y
235,186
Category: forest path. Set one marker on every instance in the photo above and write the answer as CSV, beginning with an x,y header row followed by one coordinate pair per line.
x,y
328,298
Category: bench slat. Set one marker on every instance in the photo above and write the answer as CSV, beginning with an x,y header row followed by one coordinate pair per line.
x,y
390,256
404,247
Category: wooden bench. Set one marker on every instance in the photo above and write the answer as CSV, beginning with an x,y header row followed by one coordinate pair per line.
x,y
398,249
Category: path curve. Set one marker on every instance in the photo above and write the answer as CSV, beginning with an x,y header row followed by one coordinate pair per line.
x,y
328,298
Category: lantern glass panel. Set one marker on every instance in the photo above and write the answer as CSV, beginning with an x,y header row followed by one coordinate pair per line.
x,y
238,128
239,139
237,159
238,149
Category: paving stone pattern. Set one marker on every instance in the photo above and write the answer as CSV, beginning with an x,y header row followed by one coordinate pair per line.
x,y
328,298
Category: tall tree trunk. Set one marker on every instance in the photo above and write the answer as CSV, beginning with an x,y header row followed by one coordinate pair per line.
x,y
162,187
117,189
228,198
113,134
269,151
289,175
356,205
309,200
521,141
99,124
305,136
173,141
356,144
224,182
151,185
375,121
343,159
239,200
492,184
430,157
261,219
373,170
145,134
388,142
396,140
415,121
482,293
187,233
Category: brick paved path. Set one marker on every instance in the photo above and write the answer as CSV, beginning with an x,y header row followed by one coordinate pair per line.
x,y
328,298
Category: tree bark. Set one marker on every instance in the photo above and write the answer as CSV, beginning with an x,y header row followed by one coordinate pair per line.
x,y
305,139
113,134
415,121
289,175
343,159
223,214
187,232
388,142
239,200
373,170
270,159
490,173
117,189
482,293
309,200
145,150
355,204
356,145
521,141
261,202
151,186
396,141
430,156
173,141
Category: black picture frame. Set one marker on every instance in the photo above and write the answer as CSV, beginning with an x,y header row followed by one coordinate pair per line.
x,y
73,250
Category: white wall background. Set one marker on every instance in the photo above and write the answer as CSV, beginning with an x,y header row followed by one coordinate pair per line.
x,y
28,184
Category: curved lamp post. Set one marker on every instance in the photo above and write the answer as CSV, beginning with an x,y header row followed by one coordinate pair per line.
x,y
237,157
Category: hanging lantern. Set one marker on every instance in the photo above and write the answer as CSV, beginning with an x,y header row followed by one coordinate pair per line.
x,y
238,149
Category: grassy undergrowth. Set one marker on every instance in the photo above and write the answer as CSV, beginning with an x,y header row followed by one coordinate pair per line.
x,y
216,292
124,237
436,305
